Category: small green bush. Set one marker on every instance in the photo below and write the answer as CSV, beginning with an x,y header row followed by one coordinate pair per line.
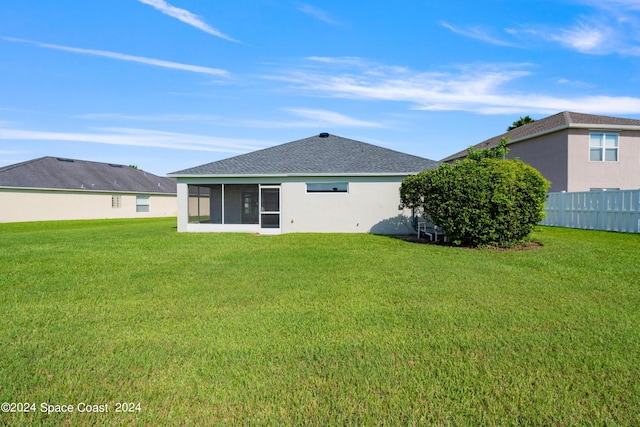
x,y
480,201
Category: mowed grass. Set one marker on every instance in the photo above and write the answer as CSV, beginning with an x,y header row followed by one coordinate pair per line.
x,y
316,329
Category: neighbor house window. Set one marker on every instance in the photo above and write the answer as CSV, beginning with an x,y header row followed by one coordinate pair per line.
x,y
116,201
603,147
142,203
328,187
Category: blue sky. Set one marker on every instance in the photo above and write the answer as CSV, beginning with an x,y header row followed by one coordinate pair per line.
x,y
171,84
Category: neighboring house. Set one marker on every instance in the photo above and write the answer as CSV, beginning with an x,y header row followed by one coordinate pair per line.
x,y
53,188
577,152
323,183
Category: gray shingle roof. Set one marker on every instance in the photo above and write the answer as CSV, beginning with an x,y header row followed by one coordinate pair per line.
x,y
558,121
329,155
71,174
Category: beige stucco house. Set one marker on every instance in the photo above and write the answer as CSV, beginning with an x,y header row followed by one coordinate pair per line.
x,y
54,188
324,183
577,152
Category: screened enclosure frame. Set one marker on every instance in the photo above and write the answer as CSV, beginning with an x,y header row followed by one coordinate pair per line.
x,y
235,204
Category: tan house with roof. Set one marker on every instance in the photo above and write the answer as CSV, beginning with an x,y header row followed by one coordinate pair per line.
x,y
54,188
577,152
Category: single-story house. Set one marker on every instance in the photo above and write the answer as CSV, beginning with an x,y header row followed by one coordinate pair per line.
x,y
576,152
54,188
324,183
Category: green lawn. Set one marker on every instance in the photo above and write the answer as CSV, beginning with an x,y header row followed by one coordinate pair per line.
x,y
316,329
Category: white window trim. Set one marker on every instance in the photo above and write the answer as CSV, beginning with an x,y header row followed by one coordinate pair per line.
x,y
142,198
603,147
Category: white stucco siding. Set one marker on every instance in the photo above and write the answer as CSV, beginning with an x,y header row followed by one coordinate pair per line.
x,y
183,206
39,205
369,206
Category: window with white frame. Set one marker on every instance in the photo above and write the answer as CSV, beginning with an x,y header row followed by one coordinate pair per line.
x,y
116,201
603,147
142,203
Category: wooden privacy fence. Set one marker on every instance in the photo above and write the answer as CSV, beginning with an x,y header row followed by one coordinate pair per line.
x,y
611,210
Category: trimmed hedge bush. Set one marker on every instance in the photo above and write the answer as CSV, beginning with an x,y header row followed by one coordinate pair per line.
x,y
480,201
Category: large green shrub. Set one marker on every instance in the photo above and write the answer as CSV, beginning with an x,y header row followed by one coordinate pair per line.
x,y
481,200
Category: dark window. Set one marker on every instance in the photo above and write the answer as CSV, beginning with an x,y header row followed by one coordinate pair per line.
x,y
328,187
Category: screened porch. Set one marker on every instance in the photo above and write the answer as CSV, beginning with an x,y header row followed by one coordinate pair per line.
x,y
254,205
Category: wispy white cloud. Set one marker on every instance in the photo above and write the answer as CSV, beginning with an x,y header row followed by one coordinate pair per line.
x,y
588,36
312,118
302,118
479,88
477,33
584,37
186,17
149,118
317,13
140,138
612,27
574,83
125,57
348,62
613,4
331,118
343,60
424,90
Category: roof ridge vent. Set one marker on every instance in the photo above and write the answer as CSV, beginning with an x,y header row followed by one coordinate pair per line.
x,y
324,135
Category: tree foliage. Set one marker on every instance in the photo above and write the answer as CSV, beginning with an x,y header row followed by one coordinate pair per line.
x,y
500,151
522,121
482,200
